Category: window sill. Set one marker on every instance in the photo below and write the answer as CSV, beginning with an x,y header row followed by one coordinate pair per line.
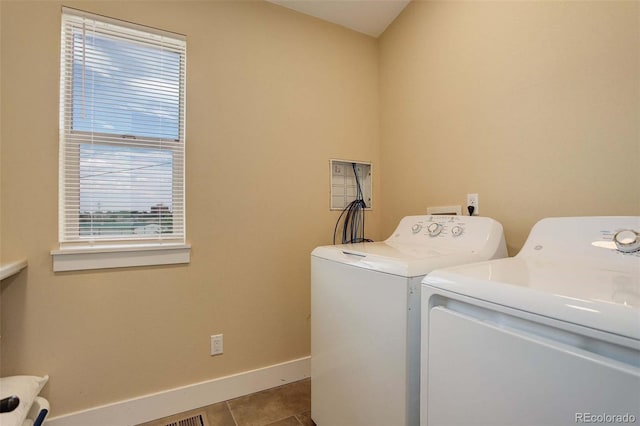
x,y
119,256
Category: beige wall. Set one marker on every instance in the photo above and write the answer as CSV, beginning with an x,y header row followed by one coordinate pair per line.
x,y
535,106
272,95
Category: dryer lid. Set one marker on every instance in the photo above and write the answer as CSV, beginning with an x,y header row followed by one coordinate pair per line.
x,y
592,284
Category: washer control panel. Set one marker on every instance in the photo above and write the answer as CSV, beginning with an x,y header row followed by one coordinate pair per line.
x,y
445,234
457,230
434,227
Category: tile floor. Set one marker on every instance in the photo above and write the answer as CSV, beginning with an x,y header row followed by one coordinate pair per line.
x,y
287,405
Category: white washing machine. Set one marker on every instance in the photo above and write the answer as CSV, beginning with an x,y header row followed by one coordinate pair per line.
x,y
365,316
548,337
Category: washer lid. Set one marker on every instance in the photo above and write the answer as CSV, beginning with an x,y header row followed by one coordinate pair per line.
x,y
603,296
421,244
406,260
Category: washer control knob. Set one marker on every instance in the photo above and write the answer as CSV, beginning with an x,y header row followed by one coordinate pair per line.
x,y
416,228
627,240
456,231
434,229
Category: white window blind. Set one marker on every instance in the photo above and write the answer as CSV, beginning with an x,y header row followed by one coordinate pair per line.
x,y
122,131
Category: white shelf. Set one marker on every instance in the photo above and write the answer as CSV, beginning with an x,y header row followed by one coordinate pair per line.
x,y
12,268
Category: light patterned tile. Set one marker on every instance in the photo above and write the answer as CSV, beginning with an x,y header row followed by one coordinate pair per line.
x,y
289,421
305,419
271,405
219,415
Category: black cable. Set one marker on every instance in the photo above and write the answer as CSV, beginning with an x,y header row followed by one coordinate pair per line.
x,y
361,206
353,213
335,229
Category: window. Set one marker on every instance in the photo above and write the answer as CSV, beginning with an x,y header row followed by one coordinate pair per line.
x,y
122,134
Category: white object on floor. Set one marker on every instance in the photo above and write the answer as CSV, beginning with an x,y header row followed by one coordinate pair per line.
x,y
26,388
38,412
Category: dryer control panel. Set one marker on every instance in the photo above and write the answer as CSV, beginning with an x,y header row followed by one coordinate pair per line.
x,y
627,240
587,238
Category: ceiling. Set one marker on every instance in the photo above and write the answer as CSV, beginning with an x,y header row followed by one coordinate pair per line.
x,y
370,17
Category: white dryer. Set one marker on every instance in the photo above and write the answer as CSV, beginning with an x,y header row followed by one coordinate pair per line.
x,y
548,337
365,316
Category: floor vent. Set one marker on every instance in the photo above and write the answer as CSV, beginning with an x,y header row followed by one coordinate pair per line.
x,y
191,418
190,421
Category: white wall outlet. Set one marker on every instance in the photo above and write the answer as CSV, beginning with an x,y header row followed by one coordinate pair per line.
x,y
473,201
216,344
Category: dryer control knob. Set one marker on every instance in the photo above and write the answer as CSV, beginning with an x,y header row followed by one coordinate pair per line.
x,y
416,228
627,240
434,229
457,230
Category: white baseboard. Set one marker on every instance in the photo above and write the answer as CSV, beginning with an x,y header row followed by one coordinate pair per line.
x,y
153,406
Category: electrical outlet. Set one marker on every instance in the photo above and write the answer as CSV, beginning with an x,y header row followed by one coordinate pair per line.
x,y
473,201
216,344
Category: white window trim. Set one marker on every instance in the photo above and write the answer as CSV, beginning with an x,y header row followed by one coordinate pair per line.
x,y
89,255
